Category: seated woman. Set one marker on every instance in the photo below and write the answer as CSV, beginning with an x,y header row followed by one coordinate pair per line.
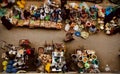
x,y
55,18
26,14
42,16
71,17
84,17
68,26
92,29
92,14
72,24
37,14
69,36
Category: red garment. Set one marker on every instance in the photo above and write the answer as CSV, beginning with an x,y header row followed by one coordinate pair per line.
x,y
28,51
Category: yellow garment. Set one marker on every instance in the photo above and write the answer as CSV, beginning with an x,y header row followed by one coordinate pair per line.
x,y
21,6
47,67
23,2
4,63
76,7
4,68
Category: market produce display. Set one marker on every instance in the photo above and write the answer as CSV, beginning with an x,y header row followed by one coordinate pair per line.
x,y
34,16
51,15
86,61
90,20
51,57
17,58
79,19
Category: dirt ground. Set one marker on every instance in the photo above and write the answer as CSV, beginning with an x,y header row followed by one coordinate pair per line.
x,y
106,47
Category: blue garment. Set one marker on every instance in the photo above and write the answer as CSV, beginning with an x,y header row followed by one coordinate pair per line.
x,y
108,10
37,14
92,29
55,19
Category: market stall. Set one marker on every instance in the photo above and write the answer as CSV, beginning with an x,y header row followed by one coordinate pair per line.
x,y
54,60
83,18
86,60
17,58
44,16
86,20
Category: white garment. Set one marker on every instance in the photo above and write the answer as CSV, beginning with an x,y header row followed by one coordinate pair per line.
x,y
11,20
95,66
47,10
51,10
76,27
59,18
67,27
49,2
107,32
42,16
41,10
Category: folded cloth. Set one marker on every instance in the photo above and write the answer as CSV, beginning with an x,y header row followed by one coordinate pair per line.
x,y
84,34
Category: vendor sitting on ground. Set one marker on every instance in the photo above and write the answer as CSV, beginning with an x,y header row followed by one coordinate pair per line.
x,y
92,29
84,17
69,36
26,14
71,17
72,24
92,14
42,16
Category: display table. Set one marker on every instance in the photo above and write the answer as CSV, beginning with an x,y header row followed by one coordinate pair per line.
x,y
36,23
